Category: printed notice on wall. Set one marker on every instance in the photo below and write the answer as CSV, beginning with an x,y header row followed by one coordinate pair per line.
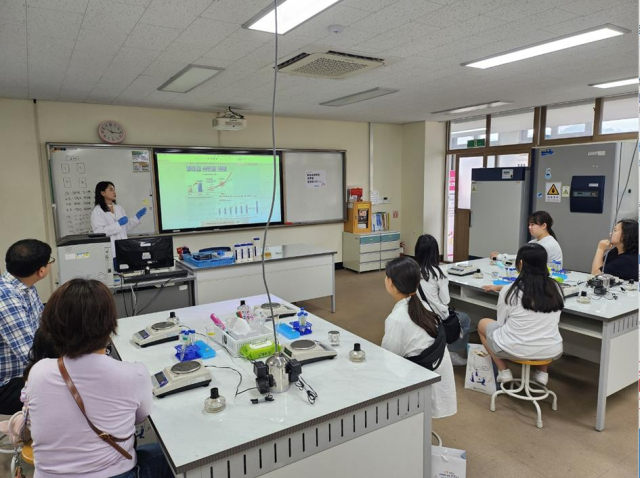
x,y
140,161
317,179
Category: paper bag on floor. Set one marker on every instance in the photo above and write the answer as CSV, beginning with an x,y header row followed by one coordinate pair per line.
x,y
448,462
480,375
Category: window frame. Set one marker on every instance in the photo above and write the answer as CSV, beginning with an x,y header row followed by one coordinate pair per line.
x,y
597,127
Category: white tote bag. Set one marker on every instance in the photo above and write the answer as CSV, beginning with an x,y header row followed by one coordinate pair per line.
x,y
480,375
448,462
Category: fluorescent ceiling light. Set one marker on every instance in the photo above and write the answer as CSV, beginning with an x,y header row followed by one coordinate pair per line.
x,y
613,84
561,43
468,131
467,109
362,96
189,78
291,13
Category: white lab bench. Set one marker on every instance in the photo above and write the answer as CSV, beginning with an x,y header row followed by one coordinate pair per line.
x,y
604,331
295,272
365,412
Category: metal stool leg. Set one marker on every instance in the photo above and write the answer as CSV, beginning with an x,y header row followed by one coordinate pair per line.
x,y
437,437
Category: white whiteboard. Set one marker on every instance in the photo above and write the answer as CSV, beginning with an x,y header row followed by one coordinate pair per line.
x,y
314,186
75,171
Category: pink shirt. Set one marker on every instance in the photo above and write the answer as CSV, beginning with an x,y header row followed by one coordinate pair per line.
x,y
116,396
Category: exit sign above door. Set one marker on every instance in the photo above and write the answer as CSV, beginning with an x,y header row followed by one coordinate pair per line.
x,y
476,143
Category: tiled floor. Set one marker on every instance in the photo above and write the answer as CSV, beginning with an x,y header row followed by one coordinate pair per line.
x,y
506,444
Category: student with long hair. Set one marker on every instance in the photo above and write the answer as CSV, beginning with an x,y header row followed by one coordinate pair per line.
x,y
109,218
435,287
78,321
540,228
411,329
619,255
528,317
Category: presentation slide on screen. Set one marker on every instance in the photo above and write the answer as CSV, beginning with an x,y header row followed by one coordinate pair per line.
x,y
209,190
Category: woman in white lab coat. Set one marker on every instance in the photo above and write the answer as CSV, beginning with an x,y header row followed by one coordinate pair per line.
x,y
411,329
109,218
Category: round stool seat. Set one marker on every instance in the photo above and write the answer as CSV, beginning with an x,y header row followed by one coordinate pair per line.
x,y
534,362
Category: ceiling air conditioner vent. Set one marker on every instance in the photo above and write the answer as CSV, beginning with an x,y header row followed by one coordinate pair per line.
x,y
332,65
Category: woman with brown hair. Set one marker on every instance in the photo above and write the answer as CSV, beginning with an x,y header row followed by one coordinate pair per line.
x,y
84,405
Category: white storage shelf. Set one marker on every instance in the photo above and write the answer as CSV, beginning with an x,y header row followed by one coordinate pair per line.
x,y
371,251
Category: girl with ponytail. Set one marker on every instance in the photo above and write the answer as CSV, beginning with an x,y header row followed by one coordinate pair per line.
x,y
411,331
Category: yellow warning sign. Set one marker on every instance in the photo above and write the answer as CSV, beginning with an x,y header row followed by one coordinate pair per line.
x,y
553,192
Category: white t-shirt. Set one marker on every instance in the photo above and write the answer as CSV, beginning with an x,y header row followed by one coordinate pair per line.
x,y
403,337
436,291
525,333
554,252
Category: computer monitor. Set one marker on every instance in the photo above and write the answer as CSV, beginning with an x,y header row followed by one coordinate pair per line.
x,y
142,252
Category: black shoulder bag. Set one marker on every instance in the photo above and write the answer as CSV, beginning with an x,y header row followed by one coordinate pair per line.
x,y
431,357
451,323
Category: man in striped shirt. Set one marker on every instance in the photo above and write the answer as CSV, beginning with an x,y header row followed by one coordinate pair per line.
x,y
27,262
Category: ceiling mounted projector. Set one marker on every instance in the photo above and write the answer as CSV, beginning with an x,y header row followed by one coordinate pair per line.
x,y
229,121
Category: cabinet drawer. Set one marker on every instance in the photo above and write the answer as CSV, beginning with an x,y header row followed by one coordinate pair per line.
x,y
388,255
393,236
369,240
369,248
370,257
369,266
388,246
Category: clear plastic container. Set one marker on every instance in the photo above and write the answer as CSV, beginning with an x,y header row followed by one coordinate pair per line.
x,y
173,318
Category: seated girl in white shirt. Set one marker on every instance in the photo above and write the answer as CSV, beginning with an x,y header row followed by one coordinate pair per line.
x,y
528,316
540,224
410,329
435,286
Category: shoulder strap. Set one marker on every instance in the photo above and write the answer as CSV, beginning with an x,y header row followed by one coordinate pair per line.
x,y
111,440
423,296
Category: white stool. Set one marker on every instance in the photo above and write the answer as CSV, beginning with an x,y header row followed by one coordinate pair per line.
x,y
530,394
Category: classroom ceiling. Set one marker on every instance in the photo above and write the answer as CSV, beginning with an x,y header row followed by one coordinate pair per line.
x,y
120,52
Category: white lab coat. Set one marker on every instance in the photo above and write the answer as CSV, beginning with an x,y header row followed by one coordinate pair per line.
x,y
403,337
107,223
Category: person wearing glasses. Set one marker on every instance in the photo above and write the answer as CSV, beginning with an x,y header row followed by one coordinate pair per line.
x,y
27,262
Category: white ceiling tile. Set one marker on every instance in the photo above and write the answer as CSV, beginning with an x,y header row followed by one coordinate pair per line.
x,y
91,43
407,33
140,3
57,49
234,11
396,14
102,97
11,91
232,49
349,37
74,6
520,9
206,32
370,5
256,60
338,14
112,86
13,10
44,92
73,96
81,81
585,7
53,23
13,73
111,17
174,14
13,34
151,37
181,52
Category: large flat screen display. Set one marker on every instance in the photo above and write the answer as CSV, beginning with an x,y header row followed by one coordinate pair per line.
x,y
216,189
